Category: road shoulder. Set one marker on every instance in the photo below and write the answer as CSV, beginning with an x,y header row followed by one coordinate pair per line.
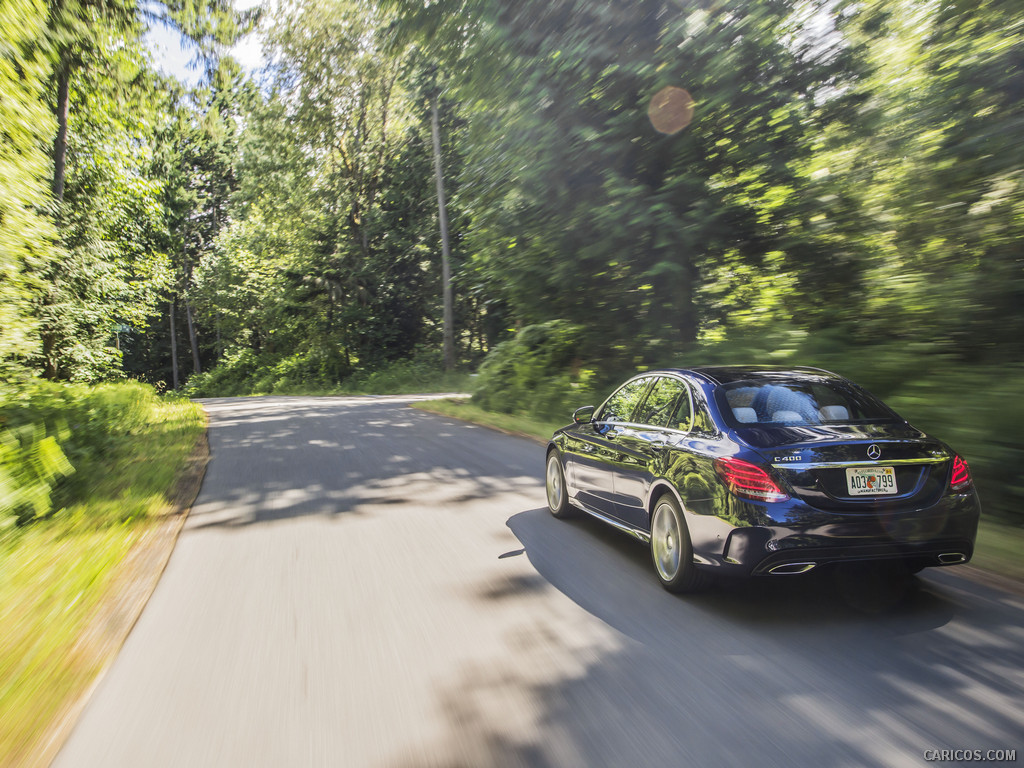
x,y
134,584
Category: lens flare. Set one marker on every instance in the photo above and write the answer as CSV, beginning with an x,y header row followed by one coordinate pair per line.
x,y
671,110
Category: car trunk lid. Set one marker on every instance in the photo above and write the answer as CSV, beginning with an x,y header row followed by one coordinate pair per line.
x,y
866,467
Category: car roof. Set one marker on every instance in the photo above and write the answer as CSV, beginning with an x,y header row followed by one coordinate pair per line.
x,y
727,374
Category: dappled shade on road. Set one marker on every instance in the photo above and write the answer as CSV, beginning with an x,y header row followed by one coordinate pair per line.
x,y
364,584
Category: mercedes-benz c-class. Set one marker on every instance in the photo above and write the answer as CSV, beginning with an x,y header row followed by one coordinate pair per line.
x,y
752,470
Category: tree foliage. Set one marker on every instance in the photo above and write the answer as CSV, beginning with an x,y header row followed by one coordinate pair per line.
x,y
647,179
80,218
332,250
845,164
111,269
26,231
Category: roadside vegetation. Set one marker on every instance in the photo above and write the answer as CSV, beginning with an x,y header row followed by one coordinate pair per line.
x,y
247,374
84,475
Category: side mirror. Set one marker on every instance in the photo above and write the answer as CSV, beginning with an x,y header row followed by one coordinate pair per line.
x,y
584,415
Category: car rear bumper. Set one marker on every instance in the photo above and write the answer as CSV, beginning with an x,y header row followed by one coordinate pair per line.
x,y
941,535
951,552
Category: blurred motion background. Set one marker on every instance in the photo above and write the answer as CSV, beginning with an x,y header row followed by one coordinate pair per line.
x,y
627,184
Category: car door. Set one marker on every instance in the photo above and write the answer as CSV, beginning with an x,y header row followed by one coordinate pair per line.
x,y
642,446
595,450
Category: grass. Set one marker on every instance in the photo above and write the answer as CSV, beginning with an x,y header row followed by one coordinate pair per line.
x,y
52,584
999,548
506,422
57,573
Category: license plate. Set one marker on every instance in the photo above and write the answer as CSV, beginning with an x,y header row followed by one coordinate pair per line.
x,y
871,481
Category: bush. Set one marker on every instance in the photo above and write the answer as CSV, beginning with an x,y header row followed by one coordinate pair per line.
x,y
31,463
56,439
881,368
537,373
318,371
980,413
423,372
232,376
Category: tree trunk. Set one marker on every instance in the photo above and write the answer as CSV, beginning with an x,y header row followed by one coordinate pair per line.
x,y
60,143
49,356
192,339
174,349
220,344
442,210
689,324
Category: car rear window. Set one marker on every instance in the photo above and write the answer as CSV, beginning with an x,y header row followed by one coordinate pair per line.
x,y
800,403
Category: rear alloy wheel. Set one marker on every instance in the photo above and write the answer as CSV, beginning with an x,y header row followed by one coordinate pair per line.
x,y
558,497
671,549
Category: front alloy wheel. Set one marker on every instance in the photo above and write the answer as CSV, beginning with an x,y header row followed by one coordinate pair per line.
x,y
671,549
558,498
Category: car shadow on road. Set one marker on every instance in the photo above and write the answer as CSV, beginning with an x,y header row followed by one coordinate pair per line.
x,y
607,572
771,672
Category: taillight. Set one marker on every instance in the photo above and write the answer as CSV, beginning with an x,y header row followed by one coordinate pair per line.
x,y
960,480
748,481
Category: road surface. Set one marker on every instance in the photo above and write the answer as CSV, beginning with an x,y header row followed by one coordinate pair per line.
x,y
365,584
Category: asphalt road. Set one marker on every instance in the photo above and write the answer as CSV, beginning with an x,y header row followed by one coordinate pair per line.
x,y
364,584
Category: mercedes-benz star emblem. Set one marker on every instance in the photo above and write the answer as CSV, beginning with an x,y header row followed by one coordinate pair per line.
x,y
874,452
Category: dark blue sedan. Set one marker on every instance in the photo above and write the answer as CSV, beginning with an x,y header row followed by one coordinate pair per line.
x,y
744,470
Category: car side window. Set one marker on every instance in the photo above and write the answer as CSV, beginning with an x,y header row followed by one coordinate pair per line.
x,y
703,424
667,405
621,404
682,418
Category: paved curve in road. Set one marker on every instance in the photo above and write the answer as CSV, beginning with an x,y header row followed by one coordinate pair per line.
x,y
364,584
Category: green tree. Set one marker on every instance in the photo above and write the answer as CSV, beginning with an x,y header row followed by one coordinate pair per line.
x,y
79,29
344,101
583,210
26,229
963,197
111,269
926,179
107,209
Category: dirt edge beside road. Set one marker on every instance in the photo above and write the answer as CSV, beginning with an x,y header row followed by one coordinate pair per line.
x,y
134,584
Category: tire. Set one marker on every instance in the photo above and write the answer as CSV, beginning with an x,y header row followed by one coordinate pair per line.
x,y
671,549
558,495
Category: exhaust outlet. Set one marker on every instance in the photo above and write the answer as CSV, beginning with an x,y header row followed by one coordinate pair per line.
x,y
791,568
952,558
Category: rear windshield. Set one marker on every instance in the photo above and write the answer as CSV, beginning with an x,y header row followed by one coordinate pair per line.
x,y
800,403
